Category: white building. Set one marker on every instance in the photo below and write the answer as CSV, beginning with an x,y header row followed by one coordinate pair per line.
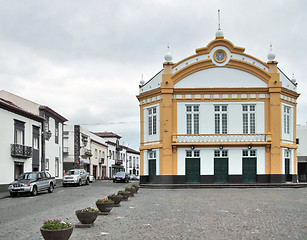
x,y
301,136
116,153
98,160
133,162
51,157
218,116
20,139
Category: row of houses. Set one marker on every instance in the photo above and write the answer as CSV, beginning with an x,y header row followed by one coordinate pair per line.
x,y
35,137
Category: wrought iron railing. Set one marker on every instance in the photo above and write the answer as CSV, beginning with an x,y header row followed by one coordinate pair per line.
x,y
21,151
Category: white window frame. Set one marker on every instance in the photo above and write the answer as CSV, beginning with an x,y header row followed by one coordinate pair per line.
x,y
287,115
220,119
152,120
192,119
249,118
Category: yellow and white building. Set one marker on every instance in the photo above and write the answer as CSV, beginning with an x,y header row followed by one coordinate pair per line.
x,y
218,116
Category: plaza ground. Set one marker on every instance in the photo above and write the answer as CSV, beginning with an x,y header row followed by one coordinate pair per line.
x,y
255,213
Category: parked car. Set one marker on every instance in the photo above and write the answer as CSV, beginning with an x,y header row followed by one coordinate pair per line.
x,y
121,177
32,182
133,177
76,177
92,178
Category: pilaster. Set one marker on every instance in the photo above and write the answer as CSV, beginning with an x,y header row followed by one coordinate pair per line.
x,y
166,120
275,86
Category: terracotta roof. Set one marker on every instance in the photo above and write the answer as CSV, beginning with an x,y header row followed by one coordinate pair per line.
x,y
48,109
107,134
130,150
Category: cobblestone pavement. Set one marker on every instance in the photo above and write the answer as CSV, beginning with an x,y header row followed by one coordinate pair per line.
x,y
177,214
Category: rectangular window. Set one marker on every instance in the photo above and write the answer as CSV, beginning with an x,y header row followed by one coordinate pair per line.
x,y
216,153
286,119
152,121
196,153
19,129
220,118
189,153
220,153
35,143
47,164
152,155
249,119
57,170
56,132
192,117
249,153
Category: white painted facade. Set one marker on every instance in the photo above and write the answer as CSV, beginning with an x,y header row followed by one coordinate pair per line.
x,y
98,160
133,162
7,138
220,78
52,157
207,160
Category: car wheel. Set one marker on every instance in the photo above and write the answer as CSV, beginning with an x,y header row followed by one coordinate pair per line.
x,y
79,183
34,191
12,194
87,182
113,180
50,190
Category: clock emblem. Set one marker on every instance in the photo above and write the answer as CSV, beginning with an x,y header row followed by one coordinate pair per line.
x,y
219,56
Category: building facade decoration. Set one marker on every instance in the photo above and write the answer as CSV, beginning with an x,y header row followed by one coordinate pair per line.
x,y
218,116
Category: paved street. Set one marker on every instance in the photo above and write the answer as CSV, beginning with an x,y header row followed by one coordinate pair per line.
x,y
164,214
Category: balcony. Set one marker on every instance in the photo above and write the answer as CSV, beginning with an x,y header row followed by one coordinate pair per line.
x,y
21,151
118,162
220,138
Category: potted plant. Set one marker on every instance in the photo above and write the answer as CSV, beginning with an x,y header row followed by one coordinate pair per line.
x,y
56,229
136,187
104,205
87,215
125,195
116,198
131,190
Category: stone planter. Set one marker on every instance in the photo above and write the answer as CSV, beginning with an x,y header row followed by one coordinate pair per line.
x,y
136,188
116,199
125,195
86,217
104,208
131,190
59,234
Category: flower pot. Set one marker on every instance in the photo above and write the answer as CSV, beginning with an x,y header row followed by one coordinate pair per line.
x,y
104,207
86,217
132,191
125,196
136,188
58,234
116,199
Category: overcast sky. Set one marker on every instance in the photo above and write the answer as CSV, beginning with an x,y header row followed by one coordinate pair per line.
x,y
84,59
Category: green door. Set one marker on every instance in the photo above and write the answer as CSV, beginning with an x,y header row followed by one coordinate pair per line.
x,y
249,169
287,170
192,170
221,170
152,170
